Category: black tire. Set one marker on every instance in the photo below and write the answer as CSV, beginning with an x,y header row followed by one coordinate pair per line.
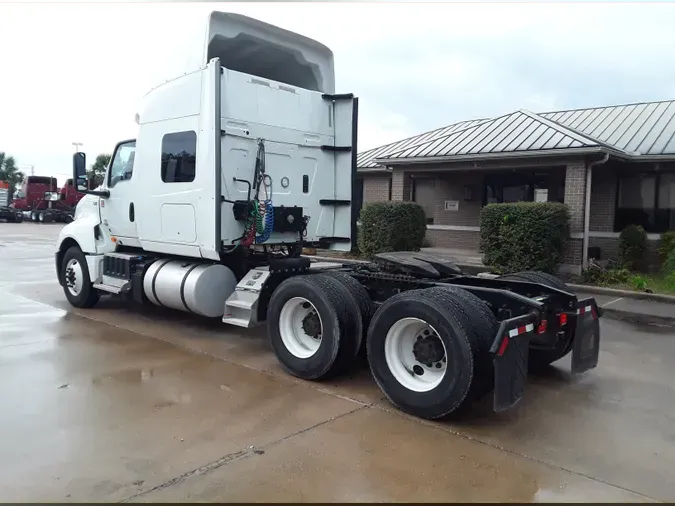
x,y
40,217
47,217
353,325
477,315
339,325
88,295
18,217
33,216
442,310
540,359
538,277
360,295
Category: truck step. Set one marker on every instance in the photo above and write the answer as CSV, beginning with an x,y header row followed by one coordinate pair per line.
x,y
108,288
237,322
241,304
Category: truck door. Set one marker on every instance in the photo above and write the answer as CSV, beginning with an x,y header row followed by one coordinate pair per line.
x,y
118,213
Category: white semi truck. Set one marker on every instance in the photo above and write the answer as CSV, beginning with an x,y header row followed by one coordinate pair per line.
x,y
250,156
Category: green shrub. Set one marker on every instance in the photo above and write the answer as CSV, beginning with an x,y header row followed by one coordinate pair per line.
x,y
391,226
523,235
668,267
632,244
667,245
639,283
600,277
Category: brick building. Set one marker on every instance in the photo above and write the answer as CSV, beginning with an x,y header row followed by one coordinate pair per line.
x,y
613,166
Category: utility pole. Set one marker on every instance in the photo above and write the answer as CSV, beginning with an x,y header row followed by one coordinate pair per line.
x,y
77,145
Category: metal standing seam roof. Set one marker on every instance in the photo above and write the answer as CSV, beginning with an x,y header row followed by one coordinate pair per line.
x,y
634,129
647,128
365,160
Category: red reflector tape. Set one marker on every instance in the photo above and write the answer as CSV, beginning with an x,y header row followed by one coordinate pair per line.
x,y
583,310
521,330
502,347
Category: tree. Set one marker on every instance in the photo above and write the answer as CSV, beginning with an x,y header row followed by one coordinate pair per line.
x,y
97,171
9,172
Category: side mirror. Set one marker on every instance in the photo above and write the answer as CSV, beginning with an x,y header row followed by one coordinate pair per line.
x,y
80,171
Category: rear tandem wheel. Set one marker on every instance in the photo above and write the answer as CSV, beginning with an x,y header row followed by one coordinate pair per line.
x,y
427,351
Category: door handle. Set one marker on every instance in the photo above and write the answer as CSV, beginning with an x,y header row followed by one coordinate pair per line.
x,y
131,212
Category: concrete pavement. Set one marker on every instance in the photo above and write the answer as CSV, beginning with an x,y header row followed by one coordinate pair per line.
x,y
123,403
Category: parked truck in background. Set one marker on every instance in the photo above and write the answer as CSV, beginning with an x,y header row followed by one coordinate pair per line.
x,y
7,212
41,200
245,159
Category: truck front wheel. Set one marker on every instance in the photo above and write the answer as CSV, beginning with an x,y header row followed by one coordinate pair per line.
x,y
77,285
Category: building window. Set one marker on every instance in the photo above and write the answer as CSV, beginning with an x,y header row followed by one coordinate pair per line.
x,y
179,152
647,200
521,187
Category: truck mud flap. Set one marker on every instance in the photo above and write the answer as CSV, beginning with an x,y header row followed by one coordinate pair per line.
x,y
511,352
586,346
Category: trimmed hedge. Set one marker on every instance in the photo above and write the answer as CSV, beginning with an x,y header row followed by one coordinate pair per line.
x,y
391,226
667,245
632,245
523,236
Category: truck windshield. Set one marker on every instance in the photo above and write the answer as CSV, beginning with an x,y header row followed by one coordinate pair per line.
x,y
19,194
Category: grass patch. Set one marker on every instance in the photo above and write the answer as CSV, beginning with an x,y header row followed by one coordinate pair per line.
x,y
624,279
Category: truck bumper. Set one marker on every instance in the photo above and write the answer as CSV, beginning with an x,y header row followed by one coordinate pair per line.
x,y
511,351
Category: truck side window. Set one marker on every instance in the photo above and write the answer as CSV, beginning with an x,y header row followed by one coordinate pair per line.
x,y
179,152
122,167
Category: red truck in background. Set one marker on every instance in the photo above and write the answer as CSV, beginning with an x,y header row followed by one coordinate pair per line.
x,y
41,200
7,212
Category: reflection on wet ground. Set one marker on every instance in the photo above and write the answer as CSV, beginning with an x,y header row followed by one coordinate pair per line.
x,y
128,403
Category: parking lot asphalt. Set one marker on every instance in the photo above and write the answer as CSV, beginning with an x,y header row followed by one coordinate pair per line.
x,y
129,403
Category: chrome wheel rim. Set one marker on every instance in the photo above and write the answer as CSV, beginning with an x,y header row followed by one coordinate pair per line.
x,y
73,277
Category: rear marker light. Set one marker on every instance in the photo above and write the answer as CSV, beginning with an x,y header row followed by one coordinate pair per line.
x,y
541,329
563,319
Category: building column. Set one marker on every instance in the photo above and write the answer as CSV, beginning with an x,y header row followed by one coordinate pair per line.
x,y
575,199
401,185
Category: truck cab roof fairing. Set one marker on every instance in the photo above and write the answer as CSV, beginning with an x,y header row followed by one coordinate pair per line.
x,y
253,47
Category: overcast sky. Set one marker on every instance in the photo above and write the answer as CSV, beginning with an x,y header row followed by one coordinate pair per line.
x,y
75,72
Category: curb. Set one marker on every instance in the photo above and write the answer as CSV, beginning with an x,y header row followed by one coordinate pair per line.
x,y
657,297
638,318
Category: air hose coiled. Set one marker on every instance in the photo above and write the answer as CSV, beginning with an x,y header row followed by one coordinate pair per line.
x,y
267,220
